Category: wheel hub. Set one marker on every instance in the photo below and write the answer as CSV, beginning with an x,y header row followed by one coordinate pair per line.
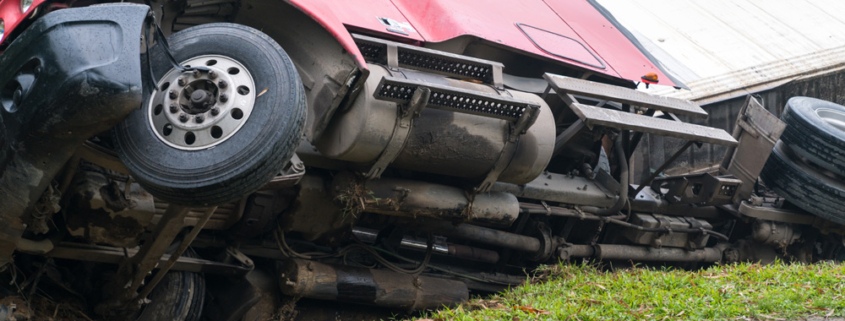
x,y
202,108
833,117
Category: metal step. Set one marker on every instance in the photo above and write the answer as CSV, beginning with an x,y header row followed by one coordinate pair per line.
x,y
396,54
623,95
455,99
628,121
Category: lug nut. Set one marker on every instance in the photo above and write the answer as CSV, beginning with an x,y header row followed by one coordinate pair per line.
x,y
215,111
197,73
222,84
212,74
183,118
174,108
199,119
224,98
173,94
182,81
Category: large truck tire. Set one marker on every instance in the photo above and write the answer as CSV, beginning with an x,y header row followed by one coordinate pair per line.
x,y
816,131
208,138
803,185
179,296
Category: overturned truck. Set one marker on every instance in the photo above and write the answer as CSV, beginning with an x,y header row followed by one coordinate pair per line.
x,y
373,152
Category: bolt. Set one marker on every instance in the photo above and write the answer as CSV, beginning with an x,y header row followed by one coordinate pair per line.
x,y
215,111
174,108
197,73
224,98
183,118
173,94
182,81
222,84
212,74
199,119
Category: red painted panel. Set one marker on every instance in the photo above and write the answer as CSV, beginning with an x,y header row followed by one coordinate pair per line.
x,y
607,40
496,21
10,12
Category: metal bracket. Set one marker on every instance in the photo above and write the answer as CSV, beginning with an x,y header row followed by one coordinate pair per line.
x,y
517,129
404,120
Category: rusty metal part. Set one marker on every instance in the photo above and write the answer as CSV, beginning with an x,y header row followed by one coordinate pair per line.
x,y
442,142
225,216
648,201
260,214
670,239
105,211
101,211
132,271
186,241
484,235
473,253
314,213
115,255
440,247
777,214
367,286
777,234
40,247
750,251
641,253
568,189
101,157
288,176
700,189
757,131
410,198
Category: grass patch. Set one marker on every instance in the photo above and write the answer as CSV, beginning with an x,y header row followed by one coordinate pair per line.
x,y
742,291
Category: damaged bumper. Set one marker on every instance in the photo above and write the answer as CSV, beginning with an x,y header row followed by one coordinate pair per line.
x,y
71,75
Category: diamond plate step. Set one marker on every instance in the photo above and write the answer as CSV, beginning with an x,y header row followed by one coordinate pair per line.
x,y
627,121
623,95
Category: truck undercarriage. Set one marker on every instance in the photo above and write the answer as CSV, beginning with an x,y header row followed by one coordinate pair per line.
x,y
157,180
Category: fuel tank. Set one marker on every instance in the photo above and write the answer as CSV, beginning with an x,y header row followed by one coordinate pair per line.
x,y
439,142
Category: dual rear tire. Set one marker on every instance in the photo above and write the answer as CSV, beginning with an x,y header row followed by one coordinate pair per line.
x,y
807,166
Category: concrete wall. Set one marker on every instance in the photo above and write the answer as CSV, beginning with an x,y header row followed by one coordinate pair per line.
x,y
654,150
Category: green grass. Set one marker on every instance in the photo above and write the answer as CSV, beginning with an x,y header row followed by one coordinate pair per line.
x,y
743,291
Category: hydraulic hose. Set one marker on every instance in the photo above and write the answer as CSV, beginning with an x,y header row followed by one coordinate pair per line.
x,y
623,184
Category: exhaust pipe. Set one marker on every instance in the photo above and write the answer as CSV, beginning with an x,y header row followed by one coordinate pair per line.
x,y
382,288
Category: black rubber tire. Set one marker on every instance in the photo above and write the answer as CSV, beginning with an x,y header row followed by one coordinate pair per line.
x,y
250,157
803,185
813,138
179,296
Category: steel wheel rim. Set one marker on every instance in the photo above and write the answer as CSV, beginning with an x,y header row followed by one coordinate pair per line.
x,y
183,122
832,117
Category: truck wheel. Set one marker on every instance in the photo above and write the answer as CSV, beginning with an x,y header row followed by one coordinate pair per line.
x,y
816,131
178,297
209,137
803,185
